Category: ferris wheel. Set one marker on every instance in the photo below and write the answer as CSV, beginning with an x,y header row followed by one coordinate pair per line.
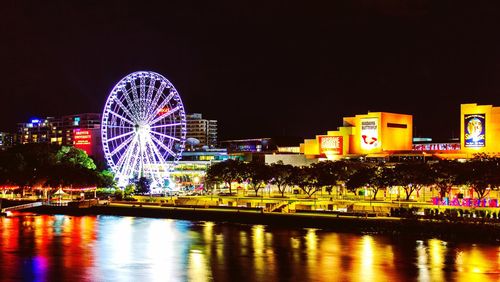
x,y
143,128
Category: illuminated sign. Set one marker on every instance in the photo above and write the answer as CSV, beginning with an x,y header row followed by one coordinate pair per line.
x,y
163,111
437,147
331,145
369,133
474,130
82,139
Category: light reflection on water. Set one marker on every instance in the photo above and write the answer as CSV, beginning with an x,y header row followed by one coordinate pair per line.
x,y
49,248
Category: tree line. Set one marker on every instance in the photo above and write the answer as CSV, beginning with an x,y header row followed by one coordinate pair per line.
x,y
50,166
480,174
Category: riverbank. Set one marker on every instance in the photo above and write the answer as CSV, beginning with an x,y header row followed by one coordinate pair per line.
x,y
447,230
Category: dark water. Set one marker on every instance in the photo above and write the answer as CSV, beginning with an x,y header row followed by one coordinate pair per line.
x,y
108,248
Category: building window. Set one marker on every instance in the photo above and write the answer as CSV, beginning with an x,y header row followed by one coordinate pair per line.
x,y
396,125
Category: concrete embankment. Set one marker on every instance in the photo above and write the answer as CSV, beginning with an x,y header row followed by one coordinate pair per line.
x,y
446,230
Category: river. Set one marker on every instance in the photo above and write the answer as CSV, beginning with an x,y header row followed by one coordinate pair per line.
x,y
111,248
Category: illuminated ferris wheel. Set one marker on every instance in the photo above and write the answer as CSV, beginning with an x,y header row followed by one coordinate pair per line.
x,y
143,128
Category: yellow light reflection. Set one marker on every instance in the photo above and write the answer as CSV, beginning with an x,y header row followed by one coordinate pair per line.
x,y
437,251
208,231
198,269
258,249
311,240
367,258
422,260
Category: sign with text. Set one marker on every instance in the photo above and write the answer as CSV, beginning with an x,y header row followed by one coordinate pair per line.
x,y
474,131
331,145
82,139
437,147
369,133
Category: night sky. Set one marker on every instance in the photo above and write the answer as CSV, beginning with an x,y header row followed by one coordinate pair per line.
x,y
261,68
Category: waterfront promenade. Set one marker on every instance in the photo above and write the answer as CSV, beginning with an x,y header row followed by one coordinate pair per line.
x,y
404,218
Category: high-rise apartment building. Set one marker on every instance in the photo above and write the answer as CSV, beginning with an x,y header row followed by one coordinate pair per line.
x,y
82,131
86,121
204,130
48,130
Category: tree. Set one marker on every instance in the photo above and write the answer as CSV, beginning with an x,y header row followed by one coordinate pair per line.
x,y
143,185
444,175
333,173
74,156
29,165
282,176
129,189
412,177
385,177
257,174
106,179
307,180
225,172
364,177
481,174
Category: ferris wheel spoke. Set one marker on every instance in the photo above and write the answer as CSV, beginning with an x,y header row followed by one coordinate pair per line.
x,y
142,96
160,156
121,146
164,135
154,166
119,126
166,125
162,105
166,148
121,117
165,115
126,164
151,88
131,104
120,136
134,161
124,109
124,156
152,111
133,87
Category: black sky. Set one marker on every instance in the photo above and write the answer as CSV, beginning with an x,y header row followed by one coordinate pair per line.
x,y
261,68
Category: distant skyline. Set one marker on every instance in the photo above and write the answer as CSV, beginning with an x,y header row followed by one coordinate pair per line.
x,y
260,69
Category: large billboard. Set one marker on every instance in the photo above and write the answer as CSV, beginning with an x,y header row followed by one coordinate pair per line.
x,y
331,145
474,131
82,139
369,133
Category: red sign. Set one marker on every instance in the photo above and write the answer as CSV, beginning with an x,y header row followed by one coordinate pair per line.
x,y
163,111
82,139
331,145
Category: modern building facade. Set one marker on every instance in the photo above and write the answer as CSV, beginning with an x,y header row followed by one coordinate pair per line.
x,y
81,131
203,130
48,130
480,129
373,134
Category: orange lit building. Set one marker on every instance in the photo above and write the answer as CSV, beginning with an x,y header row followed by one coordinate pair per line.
x,y
374,134
480,129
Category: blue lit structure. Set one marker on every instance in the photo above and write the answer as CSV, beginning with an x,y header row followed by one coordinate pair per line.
x,y
143,128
